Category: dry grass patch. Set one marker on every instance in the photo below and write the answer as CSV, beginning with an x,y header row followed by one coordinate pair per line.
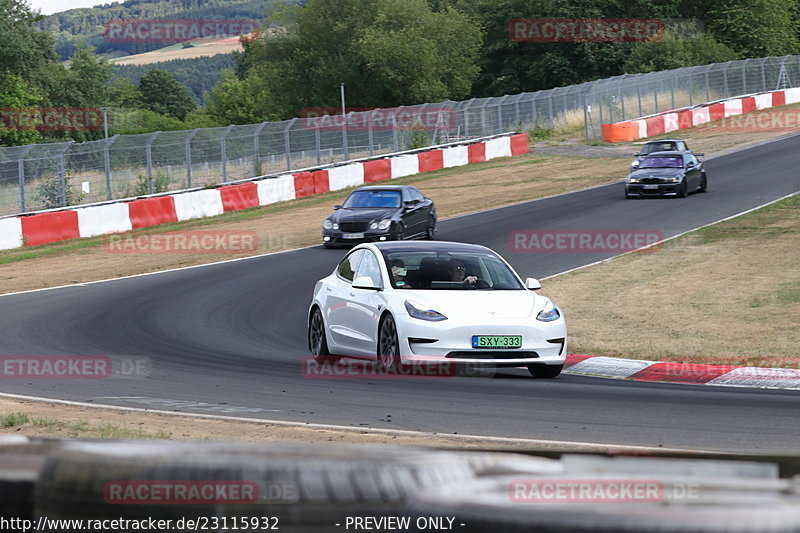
x,y
729,293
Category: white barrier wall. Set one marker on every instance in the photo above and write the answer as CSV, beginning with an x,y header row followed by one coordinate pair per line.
x,y
404,165
455,156
198,204
498,148
763,101
733,107
345,176
103,219
792,95
272,190
701,115
10,233
671,122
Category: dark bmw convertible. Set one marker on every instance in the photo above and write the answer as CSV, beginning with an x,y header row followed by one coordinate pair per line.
x,y
380,213
666,174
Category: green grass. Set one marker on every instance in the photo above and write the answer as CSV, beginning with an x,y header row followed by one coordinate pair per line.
x,y
102,431
13,420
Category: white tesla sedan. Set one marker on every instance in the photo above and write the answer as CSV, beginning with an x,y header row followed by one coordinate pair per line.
x,y
434,302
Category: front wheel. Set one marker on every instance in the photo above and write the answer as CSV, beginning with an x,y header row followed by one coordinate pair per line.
x,y
545,371
388,345
431,233
703,184
400,232
318,341
684,191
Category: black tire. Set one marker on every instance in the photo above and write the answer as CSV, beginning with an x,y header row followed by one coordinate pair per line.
x,y
388,345
317,340
308,487
545,371
684,191
703,184
431,232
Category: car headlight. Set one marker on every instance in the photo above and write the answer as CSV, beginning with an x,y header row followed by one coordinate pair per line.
x,y
635,163
633,180
673,179
327,224
549,313
383,224
417,310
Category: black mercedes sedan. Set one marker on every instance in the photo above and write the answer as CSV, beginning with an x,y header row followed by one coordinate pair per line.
x,y
666,174
380,213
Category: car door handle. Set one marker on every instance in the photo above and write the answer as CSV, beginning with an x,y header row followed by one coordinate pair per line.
x,y
328,289
352,295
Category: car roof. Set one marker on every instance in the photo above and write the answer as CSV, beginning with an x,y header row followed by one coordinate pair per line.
x,y
672,153
384,188
426,246
667,141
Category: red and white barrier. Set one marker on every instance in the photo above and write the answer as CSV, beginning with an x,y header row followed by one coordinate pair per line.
x,y
103,219
630,130
10,233
124,216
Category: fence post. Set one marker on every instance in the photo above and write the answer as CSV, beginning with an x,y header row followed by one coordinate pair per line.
x,y
639,97
107,164
62,178
257,149
395,139
149,154
744,76
287,144
318,143
345,149
500,114
369,131
763,75
21,172
691,89
483,119
585,116
187,150
725,79
223,151
622,104
466,122
708,87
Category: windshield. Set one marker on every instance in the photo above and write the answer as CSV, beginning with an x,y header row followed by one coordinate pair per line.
x,y
372,199
450,271
662,162
649,148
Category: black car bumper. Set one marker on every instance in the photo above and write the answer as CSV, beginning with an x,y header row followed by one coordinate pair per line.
x,y
338,238
647,189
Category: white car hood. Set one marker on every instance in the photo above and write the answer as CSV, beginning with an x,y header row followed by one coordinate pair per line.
x,y
471,304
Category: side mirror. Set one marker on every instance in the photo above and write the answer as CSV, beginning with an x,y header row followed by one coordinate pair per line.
x,y
337,207
532,284
365,282
690,164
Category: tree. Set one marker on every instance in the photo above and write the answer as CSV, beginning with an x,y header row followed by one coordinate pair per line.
x,y
235,101
162,94
756,28
23,47
387,52
16,99
672,52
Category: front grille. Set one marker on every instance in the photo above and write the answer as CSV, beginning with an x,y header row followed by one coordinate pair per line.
x,y
354,227
650,180
491,355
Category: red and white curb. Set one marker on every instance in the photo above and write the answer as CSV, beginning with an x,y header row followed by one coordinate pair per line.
x,y
676,372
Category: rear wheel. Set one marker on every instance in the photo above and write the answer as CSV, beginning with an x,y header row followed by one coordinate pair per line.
x,y
388,345
545,371
317,340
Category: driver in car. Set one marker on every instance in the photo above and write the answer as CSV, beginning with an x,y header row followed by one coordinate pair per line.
x,y
458,271
399,273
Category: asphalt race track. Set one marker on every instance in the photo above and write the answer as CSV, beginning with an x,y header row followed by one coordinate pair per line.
x,y
229,338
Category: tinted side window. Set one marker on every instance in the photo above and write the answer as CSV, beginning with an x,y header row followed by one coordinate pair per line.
x,y
407,195
349,265
369,267
416,195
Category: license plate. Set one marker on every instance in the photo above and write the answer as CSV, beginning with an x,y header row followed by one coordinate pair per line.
x,y
650,187
497,341
352,235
